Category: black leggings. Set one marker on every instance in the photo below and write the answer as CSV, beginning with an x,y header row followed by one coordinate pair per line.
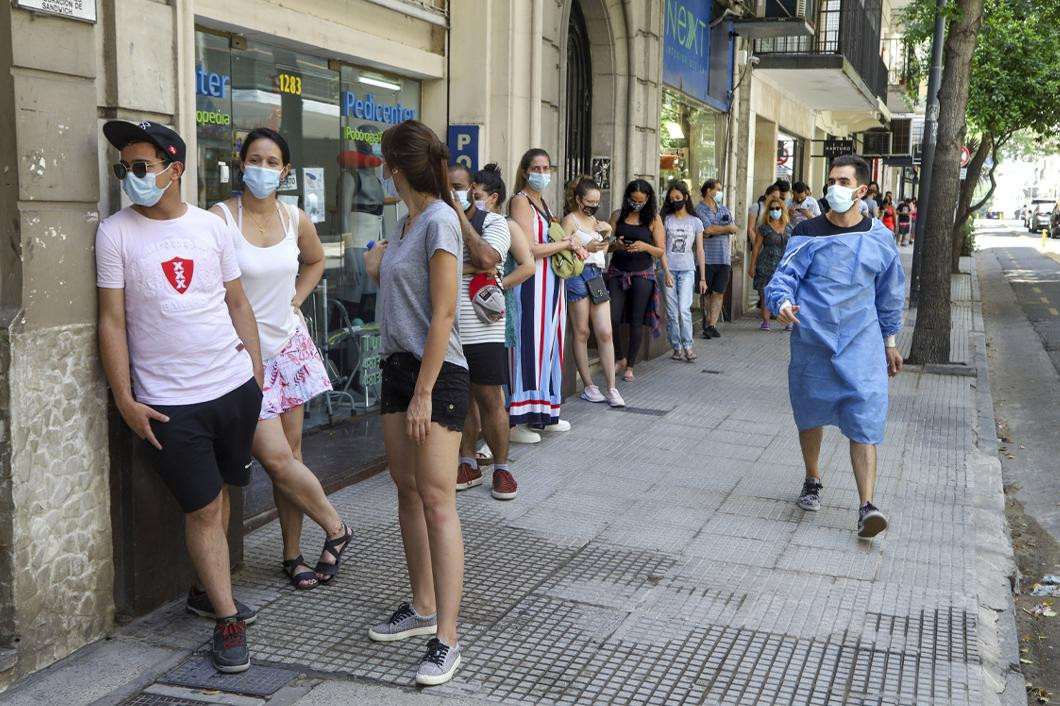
x,y
637,298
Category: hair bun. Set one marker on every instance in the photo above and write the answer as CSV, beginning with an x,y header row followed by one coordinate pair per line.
x,y
492,167
438,150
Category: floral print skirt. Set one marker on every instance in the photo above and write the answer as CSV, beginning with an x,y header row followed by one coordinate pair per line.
x,y
294,376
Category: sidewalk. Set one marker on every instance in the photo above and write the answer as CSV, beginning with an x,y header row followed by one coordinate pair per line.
x,y
654,555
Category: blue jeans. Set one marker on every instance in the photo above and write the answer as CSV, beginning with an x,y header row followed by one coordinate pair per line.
x,y
679,309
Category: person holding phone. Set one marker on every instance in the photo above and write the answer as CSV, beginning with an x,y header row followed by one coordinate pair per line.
x,y
587,294
718,229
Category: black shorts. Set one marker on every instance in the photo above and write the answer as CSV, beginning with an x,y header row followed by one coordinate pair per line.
x,y
487,363
449,398
718,278
207,444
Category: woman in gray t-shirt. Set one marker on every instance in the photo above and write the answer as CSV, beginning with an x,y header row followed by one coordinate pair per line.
x,y
425,389
684,249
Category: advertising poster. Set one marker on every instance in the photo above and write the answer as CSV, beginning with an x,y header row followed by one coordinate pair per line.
x,y
313,179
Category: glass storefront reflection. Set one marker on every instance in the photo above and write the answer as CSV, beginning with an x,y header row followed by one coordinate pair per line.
x,y
333,116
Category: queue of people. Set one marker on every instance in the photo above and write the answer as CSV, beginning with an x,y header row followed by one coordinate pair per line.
x,y
474,292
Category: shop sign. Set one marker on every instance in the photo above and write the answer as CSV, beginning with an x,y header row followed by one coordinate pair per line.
x,y
838,148
463,145
208,83
74,9
686,46
370,108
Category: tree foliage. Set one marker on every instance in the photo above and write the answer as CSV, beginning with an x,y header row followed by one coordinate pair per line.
x,y
1014,84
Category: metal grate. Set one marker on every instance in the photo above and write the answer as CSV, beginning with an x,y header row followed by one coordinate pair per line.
x,y
145,699
199,673
579,97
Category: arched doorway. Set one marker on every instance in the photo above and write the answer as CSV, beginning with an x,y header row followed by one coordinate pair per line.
x,y
578,157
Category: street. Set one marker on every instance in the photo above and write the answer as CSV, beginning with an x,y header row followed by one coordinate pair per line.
x,y
1021,291
654,555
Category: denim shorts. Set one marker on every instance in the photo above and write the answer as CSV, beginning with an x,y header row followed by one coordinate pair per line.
x,y
576,287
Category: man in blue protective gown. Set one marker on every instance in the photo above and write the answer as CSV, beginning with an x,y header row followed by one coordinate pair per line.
x,y
841,284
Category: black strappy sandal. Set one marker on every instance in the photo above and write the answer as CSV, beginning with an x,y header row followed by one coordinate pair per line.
x,y
289,565
332,570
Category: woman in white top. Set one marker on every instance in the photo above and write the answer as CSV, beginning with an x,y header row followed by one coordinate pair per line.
x,y
270,237
583,199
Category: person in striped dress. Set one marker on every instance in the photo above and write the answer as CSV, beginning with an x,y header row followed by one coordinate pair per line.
x,y
536,361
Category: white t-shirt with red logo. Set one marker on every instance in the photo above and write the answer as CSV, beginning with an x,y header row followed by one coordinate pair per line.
x,y
183,347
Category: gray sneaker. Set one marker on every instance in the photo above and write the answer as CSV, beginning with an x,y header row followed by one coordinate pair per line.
x,y
810,497
439,663
405,622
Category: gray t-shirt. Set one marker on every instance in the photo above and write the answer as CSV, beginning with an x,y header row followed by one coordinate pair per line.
x,y
681,241
405,284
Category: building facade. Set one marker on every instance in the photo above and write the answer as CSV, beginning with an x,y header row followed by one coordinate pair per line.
x,y
618,89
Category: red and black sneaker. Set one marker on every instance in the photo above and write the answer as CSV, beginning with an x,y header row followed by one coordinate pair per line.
x,y
468,477
504,485
229,651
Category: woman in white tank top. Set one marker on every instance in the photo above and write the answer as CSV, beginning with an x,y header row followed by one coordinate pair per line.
x,y
270,237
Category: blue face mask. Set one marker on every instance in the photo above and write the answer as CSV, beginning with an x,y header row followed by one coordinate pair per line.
x,y
389,189
719,197
144,192
775,213
261,181
538,181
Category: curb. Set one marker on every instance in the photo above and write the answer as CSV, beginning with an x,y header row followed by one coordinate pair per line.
x,y
997,634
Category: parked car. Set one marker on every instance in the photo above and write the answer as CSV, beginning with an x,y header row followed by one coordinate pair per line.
x,y
993,213
1054,222
1040,213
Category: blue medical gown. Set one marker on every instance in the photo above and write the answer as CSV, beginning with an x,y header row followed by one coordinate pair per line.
x,y
851,290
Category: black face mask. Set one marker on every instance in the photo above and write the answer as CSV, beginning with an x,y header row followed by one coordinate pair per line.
x,y
590,210
677,205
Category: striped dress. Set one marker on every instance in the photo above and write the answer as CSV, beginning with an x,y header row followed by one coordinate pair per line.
x,y
535,363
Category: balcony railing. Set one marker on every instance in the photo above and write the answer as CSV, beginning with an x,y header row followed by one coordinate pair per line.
x,y
899,55
850,28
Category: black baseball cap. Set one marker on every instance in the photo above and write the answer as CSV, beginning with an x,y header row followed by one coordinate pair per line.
x,y
121,132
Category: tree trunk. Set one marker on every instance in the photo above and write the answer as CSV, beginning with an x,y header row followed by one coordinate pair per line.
x,y
968,186
931,336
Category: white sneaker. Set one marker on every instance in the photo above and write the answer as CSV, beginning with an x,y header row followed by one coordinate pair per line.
x,y
592,393
521,435
561,425
614,398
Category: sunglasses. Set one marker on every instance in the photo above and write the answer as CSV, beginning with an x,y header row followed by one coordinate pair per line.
x,y
138,168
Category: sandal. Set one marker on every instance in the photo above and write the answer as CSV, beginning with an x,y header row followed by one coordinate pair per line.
x,y
690,355
628,377
332,570
677,355
298,580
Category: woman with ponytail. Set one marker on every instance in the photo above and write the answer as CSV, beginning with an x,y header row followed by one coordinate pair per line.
x,y
425,391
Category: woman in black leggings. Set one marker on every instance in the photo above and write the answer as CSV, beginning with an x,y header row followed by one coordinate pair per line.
x,y
639,239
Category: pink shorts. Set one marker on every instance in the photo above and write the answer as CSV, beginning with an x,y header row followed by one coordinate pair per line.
x,y
294,376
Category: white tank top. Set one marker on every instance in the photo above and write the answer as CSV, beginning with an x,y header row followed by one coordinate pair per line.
x,y
268,276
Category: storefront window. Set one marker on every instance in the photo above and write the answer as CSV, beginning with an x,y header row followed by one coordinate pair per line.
x,y
688,148
789,157
332,118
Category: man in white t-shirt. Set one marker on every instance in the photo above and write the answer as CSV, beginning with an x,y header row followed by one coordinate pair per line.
x,y
180,349
486,244
803,205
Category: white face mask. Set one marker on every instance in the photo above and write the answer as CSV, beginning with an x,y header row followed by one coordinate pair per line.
x,y
390,189
719,197
461,198
840,198
480,204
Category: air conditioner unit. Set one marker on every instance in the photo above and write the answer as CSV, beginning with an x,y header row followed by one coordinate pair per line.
x,y
876,144
785,9
901,136
779,18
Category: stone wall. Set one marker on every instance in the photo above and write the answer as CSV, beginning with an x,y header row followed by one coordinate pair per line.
x,y
60,492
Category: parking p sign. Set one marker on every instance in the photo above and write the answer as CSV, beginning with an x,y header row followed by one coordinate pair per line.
x,y
463,145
